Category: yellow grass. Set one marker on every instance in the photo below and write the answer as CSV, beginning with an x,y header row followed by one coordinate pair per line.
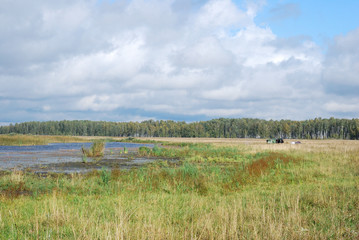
x,y
21,140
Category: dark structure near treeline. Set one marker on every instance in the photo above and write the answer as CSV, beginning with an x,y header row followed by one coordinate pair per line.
x,y
278,140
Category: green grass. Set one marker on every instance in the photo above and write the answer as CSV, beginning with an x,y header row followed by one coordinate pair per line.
x,y
256,194
197,153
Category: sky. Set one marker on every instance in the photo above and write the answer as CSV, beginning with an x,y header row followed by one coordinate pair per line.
x,y
182,60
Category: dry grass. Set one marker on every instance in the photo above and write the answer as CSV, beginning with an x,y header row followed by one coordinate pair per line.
x,y
20,139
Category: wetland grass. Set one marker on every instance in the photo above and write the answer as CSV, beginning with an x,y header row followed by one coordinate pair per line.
x,y
20,139
255,192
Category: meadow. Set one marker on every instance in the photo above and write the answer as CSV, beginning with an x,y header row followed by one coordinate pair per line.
x,y
218,189
23,140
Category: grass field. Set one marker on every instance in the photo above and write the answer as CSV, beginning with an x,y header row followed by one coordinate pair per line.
x,y
223,189
23,140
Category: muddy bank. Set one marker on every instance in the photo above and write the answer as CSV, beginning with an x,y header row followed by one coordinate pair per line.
x,y
109,161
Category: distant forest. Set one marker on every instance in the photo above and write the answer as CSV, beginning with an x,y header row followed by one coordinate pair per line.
x,y
217,128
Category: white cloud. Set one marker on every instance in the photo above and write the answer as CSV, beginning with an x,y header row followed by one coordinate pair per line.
x,y
341,65
222,14
207,53
150,58
342,107
46,108
215,113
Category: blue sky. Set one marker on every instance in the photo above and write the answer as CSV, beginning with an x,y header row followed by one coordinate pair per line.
x,y
321,20
184,60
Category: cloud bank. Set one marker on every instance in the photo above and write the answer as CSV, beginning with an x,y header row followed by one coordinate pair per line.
x,y
176,59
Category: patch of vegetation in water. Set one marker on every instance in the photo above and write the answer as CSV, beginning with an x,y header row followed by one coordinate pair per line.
x,y
96,150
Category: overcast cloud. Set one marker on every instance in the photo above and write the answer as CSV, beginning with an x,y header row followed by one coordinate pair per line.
x,y
176,59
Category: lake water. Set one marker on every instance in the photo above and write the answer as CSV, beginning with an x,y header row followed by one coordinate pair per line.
x,y
67,157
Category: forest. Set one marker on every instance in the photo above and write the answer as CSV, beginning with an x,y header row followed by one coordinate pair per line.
x,y
317,128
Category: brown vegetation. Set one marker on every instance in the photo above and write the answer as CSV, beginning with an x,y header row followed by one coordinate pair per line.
x,y
261,165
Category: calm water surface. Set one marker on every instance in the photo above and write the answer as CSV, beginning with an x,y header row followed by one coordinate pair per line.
x,y
67,157
66,146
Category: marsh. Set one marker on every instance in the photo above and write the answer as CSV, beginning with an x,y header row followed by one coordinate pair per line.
x,y
67,157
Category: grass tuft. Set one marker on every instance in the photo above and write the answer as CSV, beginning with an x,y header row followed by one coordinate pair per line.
x,y
96,150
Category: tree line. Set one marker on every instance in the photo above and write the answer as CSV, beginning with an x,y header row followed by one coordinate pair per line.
x,y
317,128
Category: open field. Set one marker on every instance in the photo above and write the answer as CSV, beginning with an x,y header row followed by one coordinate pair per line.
x,y
222,189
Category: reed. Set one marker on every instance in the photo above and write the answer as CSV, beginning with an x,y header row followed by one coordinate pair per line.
x,y
96,150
